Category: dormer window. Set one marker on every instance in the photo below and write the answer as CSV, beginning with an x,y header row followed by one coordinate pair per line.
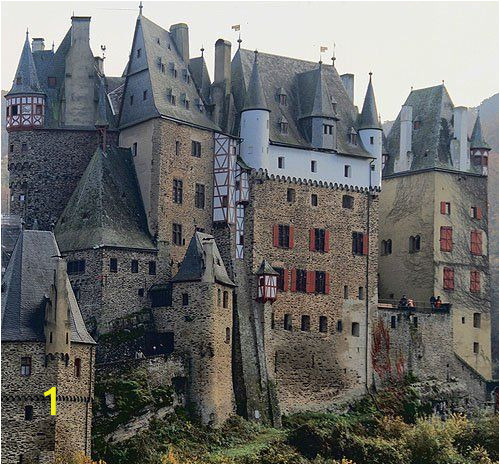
x,y
19,80
353,137
139,52
281,96
186,76
334,105
186,104
416,124
327,129
283,124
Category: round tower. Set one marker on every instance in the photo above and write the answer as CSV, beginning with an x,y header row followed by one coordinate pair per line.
x,y
254,126
479,149
25,100
370,132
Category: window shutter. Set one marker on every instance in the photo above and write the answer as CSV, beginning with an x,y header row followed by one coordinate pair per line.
x,y
285,280
327,283
275,235
443,208
479,213
365,244
451,272
327,241
310,275
293,284
291,237
479,239
312,245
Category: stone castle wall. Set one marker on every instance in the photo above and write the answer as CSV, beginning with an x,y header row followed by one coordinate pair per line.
x,y
314,369
203,335
45,167
45,435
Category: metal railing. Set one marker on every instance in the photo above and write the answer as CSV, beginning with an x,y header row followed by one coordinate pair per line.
x,y
418,305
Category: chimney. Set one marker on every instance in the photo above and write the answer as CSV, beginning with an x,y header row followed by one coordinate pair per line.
x,y
403,163
223,63
348,81
37,44
80,29
209,252
460,134
99,64
180,36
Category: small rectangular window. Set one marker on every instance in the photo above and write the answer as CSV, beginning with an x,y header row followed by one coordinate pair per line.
x,y
139,51
320,282
314,166
145,95
25,366
301,280
28,415
305,324
199,196
281,163
196,149
134,266
78,367
284,236
477,320
131,98
347,171
177,191
314,200
152,268
113,265
346,292
358,243
24,147
185,299
290,195
355,329
281,278
361,293
177,148
319,240
475,347
340,326
134,149
323,324
393,321
347,201
287,322
11,148
371,140
177,234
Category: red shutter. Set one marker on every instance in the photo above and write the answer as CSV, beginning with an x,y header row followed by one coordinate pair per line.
x,y
365,244
293,284
448,279
291,238
443,208
479,237
310,284
475,281
311,240
285,280
327,283
327,241
479,213
275,235
452,278
476,243
446,238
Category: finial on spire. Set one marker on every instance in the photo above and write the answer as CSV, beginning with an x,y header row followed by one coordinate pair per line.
x,y
52,45
256,53
239,41
442,82
140,8
370,74
237,28
333,55
202,49
27,33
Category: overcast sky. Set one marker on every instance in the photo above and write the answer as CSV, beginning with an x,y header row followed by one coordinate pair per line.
x,y
405,44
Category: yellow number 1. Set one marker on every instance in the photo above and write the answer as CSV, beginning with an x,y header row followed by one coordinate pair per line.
x,y
52,393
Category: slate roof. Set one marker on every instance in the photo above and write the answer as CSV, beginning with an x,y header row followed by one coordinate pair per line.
x,y
199,71
369,115
27,284
431,141
195,262
299,79
266,268
106,207
254,97
477,139
159,48
26,71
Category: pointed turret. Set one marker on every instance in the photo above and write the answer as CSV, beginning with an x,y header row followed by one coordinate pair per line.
x,y
102,117
26,78
477,139
369,114
255,98
322,105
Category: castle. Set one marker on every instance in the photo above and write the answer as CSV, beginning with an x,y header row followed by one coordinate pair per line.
x,y
236,221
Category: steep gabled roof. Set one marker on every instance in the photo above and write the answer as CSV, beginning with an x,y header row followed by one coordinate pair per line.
x,y
106,207
369,115
477,139
431,141
198,261
26,78
25,287
199,71
146,72
278,73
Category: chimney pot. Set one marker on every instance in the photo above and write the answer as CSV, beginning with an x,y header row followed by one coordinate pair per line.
x,y
180,36
223,63
37,44
348,81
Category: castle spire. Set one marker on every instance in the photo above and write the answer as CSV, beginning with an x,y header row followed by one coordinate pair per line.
x,y
255,98
322,105
140,8
369,115
26,78
477,139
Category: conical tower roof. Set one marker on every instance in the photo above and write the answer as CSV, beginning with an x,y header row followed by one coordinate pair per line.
x,y
322,104
255,98
477,139
369,114
26,78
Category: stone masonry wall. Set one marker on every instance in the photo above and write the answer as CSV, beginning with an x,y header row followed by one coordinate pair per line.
x,y
202,333
167,166
313,370
46,435
45,167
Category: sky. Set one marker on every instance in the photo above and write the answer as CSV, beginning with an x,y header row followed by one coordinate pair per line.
x,y
404,44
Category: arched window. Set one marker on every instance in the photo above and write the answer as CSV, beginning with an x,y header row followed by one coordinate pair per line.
x,y
225,299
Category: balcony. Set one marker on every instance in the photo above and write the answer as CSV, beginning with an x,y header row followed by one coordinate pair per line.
x,y
419,306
